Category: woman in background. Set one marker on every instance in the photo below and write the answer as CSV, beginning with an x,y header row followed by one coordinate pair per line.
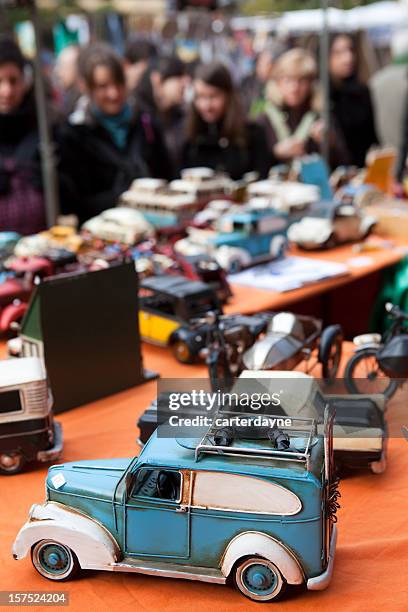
x,y
22,207
217,133
107,144
291,119
350,99
161,93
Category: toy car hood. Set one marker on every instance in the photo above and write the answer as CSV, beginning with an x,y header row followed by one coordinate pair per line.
x,y
96,478
311,230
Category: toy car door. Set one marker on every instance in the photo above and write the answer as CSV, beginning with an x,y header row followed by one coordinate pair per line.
x,y
158,513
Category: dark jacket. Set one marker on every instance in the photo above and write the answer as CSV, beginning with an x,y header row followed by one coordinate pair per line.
x,y
211,150
338,152
352,108
21,199
94,172
171,122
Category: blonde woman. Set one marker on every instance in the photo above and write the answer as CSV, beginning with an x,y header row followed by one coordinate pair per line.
x,y
291,120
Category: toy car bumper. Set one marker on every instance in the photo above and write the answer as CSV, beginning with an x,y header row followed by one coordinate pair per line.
x,y
378,467
53,453
318,583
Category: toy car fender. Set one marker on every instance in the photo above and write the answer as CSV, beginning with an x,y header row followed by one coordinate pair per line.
x,y
232,258
93,545
12,312
253,543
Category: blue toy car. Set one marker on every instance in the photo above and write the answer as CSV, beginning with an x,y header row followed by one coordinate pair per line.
x,y
257,511
242,238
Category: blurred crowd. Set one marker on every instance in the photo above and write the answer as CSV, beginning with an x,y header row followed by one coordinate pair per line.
x,y
117,118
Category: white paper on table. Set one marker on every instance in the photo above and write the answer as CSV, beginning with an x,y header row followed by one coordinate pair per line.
x,y
288,273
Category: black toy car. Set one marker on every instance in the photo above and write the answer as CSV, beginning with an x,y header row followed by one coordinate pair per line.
x,y
169,308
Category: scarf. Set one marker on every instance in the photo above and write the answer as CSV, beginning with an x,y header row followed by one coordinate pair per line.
x,y
116,125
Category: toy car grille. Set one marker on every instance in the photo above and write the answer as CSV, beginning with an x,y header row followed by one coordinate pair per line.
x,y
36,396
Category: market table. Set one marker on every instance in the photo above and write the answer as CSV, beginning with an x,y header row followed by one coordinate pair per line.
x,y
371,567
328,298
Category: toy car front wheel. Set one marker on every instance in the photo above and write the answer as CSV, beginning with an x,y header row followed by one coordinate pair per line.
x,y
364,375
54,560
330,349
182,351
259,579
11,463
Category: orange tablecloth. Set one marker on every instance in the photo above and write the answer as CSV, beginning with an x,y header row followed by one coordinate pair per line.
x,y
371,567
248,300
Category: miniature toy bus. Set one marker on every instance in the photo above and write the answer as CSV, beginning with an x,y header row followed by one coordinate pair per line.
x,y
28,431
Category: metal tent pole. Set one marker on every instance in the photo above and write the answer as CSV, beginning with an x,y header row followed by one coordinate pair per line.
x,y
49,175
325,78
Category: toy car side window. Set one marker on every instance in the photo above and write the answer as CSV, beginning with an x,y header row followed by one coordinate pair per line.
x,y
10,401
158,301
157,483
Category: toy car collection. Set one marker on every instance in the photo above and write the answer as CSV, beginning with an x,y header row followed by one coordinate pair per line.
x,y
27,429
188,493
380,363
290,339
248,504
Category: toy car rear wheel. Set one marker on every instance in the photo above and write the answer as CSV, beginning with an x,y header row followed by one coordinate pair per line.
x,y
364,375
259,579
330,349
182,351
278,246
54,561
11,463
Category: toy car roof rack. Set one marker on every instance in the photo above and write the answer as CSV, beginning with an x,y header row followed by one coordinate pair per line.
x,y
304,427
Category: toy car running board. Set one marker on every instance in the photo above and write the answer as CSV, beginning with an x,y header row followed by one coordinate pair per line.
x,y
168,570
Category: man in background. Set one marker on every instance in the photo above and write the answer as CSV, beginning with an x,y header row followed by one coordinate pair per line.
x,y
389,88
139,53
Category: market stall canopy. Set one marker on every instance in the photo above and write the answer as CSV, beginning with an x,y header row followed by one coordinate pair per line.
x,y
379,14
139,7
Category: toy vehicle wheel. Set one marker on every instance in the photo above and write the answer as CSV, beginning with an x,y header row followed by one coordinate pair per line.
x,y
54,560
277,246
330,349
364,375
220,374
11,463
259,579
182,351
235,266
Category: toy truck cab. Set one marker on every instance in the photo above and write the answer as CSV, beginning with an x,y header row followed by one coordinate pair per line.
x,y
178,511
27,429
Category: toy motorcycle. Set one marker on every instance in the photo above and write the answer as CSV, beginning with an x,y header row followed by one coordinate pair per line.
x,y
380,363
224,348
